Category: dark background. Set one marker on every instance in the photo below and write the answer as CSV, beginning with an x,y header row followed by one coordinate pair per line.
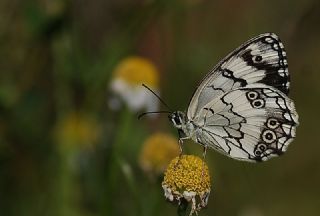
x,y
57,57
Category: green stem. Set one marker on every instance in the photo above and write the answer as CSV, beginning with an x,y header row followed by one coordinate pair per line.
x,y
182,208
132,186
113,169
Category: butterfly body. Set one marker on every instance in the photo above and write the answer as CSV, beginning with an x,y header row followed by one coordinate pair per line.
x,y
187,129
241,107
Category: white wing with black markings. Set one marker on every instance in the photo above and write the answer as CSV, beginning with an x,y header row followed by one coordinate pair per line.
x,y
260,60
252,123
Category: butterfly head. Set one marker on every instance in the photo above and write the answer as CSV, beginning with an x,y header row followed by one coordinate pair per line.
x,y
178,119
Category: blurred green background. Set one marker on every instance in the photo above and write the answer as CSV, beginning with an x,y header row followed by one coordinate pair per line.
x,y
57,58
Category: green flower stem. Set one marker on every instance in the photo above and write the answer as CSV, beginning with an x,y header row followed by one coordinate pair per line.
x,y
116,163
65,184
182,208
129,177
153,199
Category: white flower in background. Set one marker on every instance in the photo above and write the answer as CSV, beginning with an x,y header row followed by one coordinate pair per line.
x,y
126,84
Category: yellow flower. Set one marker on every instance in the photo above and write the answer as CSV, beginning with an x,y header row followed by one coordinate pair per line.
x,y
158,150
137,70
77,129
128,77
187,177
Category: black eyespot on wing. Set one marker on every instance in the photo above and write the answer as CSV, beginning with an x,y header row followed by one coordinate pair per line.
x,y
268,136
272,123
258,103
258,58
252,95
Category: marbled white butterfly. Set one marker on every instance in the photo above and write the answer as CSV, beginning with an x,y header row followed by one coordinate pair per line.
x,y
241,107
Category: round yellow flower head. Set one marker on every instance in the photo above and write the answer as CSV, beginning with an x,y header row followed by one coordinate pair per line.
x,y
77,130
136,70
158,150
128,77
187,177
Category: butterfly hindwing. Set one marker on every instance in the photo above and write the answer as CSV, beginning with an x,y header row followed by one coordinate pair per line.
x,y
252,123
259,60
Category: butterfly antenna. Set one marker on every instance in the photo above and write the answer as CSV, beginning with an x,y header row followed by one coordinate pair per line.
x,y
164,103
154,112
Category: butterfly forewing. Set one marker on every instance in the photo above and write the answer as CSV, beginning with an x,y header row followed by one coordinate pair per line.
x,y
259,60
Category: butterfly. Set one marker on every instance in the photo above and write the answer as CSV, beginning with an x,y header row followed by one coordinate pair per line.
x,y
241,108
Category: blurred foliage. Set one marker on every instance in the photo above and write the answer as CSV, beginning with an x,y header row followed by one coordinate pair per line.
x,y
64,151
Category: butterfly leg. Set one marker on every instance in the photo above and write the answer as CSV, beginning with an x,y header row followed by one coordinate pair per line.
x,y
204,152
180,140
180,146
180,134
204,158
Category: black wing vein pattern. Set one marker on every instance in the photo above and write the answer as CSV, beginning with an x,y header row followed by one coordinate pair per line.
x,y
253,123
